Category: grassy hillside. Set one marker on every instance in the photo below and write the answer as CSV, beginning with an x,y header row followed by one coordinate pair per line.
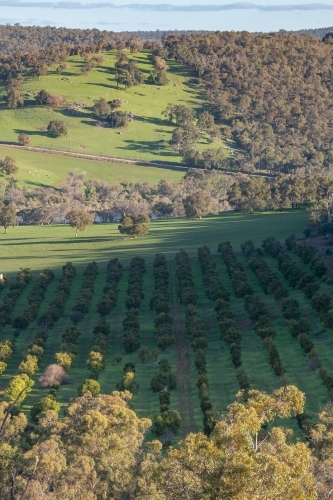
x,y
41,169
39,247
146,138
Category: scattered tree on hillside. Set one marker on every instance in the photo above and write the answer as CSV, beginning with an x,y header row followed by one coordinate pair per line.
x,y
7,216
101,108
23,139
199,204
115,103
181,114
57,128
14,98
55,100
79,219
128,73
8,166
61,68
205,121
40,68
119,119
42,97
134,225
88,67
159,77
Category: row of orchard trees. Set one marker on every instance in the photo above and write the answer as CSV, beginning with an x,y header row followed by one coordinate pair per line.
x,y
99,451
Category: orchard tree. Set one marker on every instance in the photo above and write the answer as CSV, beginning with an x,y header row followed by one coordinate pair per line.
x,y
134,225
7,216
8,166
64,360
23,139
18,388
57,128
79,219
90,385
144,355
29,366
198,204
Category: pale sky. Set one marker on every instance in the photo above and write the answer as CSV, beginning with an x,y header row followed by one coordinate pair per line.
x,y
126,15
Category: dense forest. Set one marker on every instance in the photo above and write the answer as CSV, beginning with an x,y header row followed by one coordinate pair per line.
x,y
31,38
15,37
271,92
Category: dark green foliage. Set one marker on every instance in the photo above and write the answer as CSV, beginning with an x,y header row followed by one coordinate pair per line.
x,y
160,303
100,344
24,276
164,378
57,304
169,420
131,325
83,299
35,299
110,290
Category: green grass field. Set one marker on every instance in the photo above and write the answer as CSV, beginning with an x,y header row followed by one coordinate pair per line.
x,y
42,169
145,139
223,383
39,247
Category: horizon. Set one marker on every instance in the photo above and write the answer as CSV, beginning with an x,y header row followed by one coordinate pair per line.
x,y
152,15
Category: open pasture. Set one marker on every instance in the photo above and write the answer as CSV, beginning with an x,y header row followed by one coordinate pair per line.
x,y
43,169
51,246
146,138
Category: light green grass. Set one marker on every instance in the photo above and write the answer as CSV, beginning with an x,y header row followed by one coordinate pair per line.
x,y
42,169
142,139
52,246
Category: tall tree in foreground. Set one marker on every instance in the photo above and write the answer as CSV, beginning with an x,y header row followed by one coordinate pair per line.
x,y
80,219
244,458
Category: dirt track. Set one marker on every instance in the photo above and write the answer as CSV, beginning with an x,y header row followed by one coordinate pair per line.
x,y
183,364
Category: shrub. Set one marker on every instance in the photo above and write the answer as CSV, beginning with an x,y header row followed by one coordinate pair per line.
x,y
53,374
57,128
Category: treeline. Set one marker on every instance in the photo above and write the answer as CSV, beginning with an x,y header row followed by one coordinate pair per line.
x,y
271,92
111,202
247,455
257,193
14,38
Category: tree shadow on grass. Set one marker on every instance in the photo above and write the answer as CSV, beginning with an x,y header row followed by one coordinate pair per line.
x,y
105,85
157,148
42,133
92,123
150,119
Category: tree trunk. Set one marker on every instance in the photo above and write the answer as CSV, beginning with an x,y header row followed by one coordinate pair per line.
x,y
6,230
76,232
